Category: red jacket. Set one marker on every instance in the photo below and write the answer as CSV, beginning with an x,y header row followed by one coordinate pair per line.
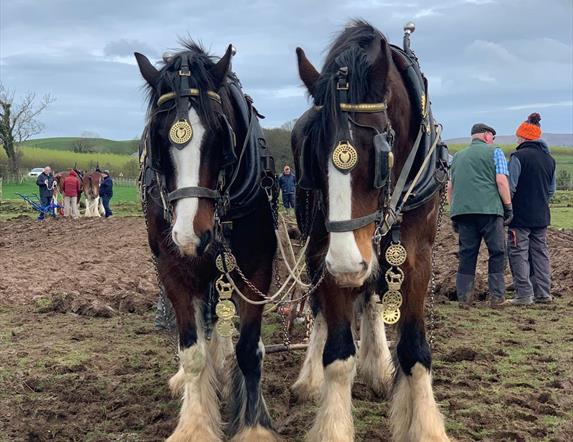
x,y
72,184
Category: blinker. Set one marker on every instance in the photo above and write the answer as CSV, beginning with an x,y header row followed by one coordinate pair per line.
x,y
383,160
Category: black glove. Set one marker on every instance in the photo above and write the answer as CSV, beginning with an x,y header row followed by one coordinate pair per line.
x,y
507,214
455,226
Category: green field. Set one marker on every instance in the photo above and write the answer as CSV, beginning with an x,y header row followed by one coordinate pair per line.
x,y
29,187
100,145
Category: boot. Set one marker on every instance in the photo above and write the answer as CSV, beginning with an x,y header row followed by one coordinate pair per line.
x,y
496,285
464,289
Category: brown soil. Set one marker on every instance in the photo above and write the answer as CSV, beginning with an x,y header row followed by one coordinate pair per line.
x,y
80,359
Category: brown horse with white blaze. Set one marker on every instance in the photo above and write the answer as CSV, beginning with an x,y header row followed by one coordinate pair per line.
x,y
202,192
361,105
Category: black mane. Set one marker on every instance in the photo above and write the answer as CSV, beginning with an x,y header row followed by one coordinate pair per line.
x,y
200,63
348,49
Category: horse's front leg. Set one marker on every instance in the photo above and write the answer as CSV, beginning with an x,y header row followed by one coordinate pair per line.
x,y
374,360
414,413
247,416
333,421
196,380
311,377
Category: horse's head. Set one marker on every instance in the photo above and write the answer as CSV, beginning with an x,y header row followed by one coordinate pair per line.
x,y
345,142
191,138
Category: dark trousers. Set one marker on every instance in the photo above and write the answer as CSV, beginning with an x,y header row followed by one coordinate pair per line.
x,y
529,263
472,228
288,200
105,201
44,202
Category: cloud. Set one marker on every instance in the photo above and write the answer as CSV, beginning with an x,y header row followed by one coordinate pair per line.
x,y
540,105
126,48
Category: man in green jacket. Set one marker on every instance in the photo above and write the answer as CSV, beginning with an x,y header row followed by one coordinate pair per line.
x,y
480,206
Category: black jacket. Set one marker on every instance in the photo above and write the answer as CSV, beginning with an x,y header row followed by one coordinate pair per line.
x,y
45,183
106,187
534,184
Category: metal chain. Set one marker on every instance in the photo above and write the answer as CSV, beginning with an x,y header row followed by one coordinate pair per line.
x,y
432,312
309,320
284,318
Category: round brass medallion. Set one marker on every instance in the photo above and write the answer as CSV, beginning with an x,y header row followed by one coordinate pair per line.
x,y
396,254
181,132
344,156
225,310
391,316
224,328
230,262
392,299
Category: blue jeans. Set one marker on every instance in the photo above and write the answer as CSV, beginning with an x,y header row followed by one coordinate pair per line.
x,y
288,200
105,201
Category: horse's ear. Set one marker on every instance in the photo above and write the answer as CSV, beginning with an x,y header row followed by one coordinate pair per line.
x,y
148,71
379,69
220,70
308,74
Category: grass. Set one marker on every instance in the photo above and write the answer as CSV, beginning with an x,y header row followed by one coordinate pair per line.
x,y
29,187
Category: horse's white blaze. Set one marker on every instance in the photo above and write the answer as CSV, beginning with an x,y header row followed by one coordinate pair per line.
x,y
414,413
187,162
343,255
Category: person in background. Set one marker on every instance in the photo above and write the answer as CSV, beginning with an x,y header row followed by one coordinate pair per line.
x,y
72,186
532,182
45,182
287,183
106,192
480,205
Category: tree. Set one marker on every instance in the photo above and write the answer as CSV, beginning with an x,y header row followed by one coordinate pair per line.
x,y
19,122
83,145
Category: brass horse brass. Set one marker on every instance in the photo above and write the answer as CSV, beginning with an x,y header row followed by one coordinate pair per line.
x,y
224,288
344,156
392,299
230,262
396,254
224,328
225,310
391,316
180,132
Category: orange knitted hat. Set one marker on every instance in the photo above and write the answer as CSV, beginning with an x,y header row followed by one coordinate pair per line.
x,y
530,129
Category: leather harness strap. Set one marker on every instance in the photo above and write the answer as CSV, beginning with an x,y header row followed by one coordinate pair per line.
x,y
193,192
189,92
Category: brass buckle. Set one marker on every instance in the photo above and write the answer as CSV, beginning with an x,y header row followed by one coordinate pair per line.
x,y
186,73
342,88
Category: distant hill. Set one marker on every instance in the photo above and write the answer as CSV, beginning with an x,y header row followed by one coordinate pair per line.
x,y
560,140
100,145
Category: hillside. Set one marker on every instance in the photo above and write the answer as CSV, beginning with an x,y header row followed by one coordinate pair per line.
x,y
560,140
101,145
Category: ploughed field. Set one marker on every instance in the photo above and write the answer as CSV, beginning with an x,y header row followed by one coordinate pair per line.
x,y
80,358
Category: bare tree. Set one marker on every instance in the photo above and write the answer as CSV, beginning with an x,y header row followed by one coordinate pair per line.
x,y
83,145
19,122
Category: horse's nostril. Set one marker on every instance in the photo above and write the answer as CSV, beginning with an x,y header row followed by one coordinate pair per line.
x,y
174,233
364,265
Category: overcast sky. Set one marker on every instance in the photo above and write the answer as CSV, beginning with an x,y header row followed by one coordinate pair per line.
x,y
494,61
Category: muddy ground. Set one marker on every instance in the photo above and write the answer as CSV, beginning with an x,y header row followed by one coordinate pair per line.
x,y
80,359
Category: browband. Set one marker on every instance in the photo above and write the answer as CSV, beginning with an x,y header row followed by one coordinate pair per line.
x,y
360,107
192,92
